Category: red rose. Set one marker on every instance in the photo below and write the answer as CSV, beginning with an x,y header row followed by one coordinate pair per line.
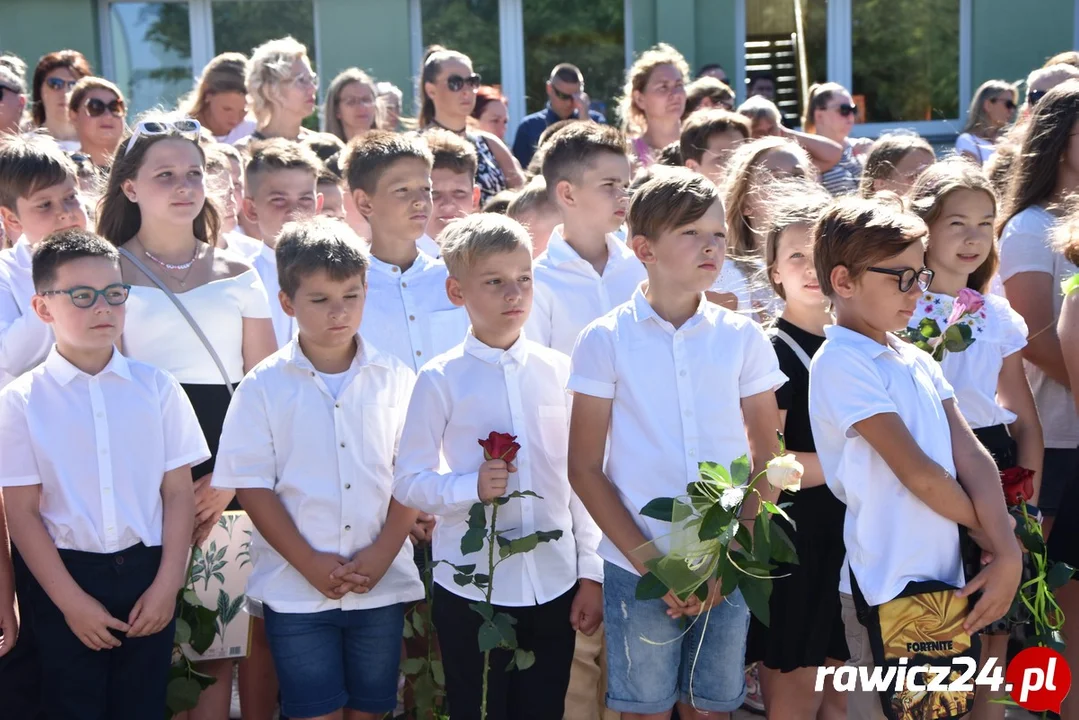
x,y
501,446
1018,485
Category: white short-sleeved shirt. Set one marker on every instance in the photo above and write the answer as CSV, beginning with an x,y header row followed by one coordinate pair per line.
x,y
676,398
974,373
892,537
155,332
284,325
246,247
461,397
975,146
568,293
99,447
1026,245
330,462
24,339
408,314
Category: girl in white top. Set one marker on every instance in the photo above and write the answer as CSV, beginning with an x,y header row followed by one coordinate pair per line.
x,y
957,202
155,208
991,110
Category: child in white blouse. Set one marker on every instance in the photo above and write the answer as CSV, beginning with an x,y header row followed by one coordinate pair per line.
x,y
499,381
308,443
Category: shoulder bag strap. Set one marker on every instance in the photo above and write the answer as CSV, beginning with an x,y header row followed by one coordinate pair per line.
x,y
795,347
183,311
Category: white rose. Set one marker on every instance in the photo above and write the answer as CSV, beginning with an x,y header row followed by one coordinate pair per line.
x,y
785,473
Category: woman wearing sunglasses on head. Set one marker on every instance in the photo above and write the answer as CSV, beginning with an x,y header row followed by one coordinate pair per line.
x,y
54,78
283,90
97,111
448,88
991,110
830,111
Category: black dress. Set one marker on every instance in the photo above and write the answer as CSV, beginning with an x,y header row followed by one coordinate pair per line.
x,y
806,626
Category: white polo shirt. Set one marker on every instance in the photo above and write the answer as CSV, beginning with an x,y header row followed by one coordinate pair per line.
x,y
408,314
330,462
568,293
99,447
892,537
24,339
676,398
460,398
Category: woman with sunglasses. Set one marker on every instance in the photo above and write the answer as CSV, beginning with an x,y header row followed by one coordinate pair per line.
x,y
448,88
54,78
830,111
991,110
283,89
653,102
97,111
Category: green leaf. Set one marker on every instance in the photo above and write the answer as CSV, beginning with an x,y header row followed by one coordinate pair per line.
x,y
419,624
477,517
438,672
484,609
502,541
505,624
414,666
782,547
481,580
740,470
203,628
713,472
701,592
472,540
489,636
958,338
424,691
182,694
756,593
650,587
466,569
928,328
462,579
191,597
761,548
743,538
407,632
548,535
525,658
728,575
714,521
782,443
183,632
1059,575
774,509
660,509
523,494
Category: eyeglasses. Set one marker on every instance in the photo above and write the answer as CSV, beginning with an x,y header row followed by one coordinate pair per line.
x,y
1033,96
86,297
563,96
56,83
846,110
184,126
95,107
305,80
908,276
357,102
1008,103
456,82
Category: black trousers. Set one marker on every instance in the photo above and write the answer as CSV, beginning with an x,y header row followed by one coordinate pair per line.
x,y
20,669
125,682
538,693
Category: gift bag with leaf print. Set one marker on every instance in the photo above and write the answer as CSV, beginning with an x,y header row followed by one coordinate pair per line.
x,y
219,571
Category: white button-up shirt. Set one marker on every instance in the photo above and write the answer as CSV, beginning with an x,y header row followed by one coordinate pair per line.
x,y
408,314
892,537
569,293
99,447
461,398
676,396
284,325
330,462
24,339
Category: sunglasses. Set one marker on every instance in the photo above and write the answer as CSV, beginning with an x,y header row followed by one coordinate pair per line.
x,y
96,107
86,297
846,110
561,95
13,91
56,83
1033,96
1008,103
908,276
456,82
186,127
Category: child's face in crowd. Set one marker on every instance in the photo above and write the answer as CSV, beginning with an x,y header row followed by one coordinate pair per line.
x,y
333,201
401,204
687,257
279,197
104,130
224,111
46,211
222,188
714,160
600,198
962,235
497,292
453,196
872,304
540,224
327,311
83,329
905,172
169,186
794,268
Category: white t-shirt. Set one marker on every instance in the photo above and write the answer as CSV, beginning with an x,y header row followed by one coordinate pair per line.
x,y
998,332
333,381
975,146
892,537
1026,246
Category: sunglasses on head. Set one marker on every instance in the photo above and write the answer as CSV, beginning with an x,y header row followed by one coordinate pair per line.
x,y
56,83
186,127
846,110
908,276
1033,96
456,82
6,89
1008,102
96,107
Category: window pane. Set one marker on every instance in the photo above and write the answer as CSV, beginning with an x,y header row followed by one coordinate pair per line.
x,y
590,35
242,25
906,59
151,45
772,47
468,26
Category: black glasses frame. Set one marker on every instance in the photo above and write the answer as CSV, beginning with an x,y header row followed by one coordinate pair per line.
x,y
84,304
906,277
56,83
561,95
847,110
456,82
1008,102
96,107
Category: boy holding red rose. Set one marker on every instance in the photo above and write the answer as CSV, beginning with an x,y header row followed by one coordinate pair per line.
x,y
500,386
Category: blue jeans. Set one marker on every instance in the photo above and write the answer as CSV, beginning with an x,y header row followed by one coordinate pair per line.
x,y
333,659
654,661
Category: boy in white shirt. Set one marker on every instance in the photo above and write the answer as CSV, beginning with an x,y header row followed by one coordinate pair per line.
x,y
668,380
96,472
586,270
454,193
281,185
499,381
407,314
890,438
308,443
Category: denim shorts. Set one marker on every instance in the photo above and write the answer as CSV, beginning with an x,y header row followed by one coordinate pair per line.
x,y
654,661
333,659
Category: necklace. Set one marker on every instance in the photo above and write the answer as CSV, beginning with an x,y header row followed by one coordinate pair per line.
x,y
456,132
170,266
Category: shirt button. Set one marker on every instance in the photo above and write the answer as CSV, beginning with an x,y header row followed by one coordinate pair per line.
x,y
682,373
100,415
342,444
418,353
396,269
411,317
692,452
348,527
348,486
404,284
337,405
312,373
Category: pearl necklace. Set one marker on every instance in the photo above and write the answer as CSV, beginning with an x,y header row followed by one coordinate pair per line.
x,y
170,266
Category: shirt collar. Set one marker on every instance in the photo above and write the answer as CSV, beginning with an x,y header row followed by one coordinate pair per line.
x,y
367,354
518,352
64,372
24,254
872,348
422,262
559,251
643,310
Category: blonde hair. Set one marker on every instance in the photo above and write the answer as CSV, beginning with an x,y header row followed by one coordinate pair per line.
x,y
819,95
271,64
476,236
977,119
759,107
633,119
226,73
533,198
330,122
886,154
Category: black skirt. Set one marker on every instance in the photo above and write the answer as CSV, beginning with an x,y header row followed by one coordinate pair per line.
x,y
210,402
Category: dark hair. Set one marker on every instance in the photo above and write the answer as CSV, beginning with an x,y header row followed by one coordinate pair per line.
x,y
886,154
318,243
710,67
433,58
703,125
573,149
567,73
29,164
857,232
275,155
67,246
817,99
323,144
754,77
367,157
706,87
671,199
499,203
452,152
484,96
73,60
85,85
671,156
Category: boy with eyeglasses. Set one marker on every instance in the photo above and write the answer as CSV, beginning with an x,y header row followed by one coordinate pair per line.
x,y
96,473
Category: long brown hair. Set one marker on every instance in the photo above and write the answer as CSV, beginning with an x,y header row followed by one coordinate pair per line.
x,y
226,73
432,67
331,123
119,219
73,60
